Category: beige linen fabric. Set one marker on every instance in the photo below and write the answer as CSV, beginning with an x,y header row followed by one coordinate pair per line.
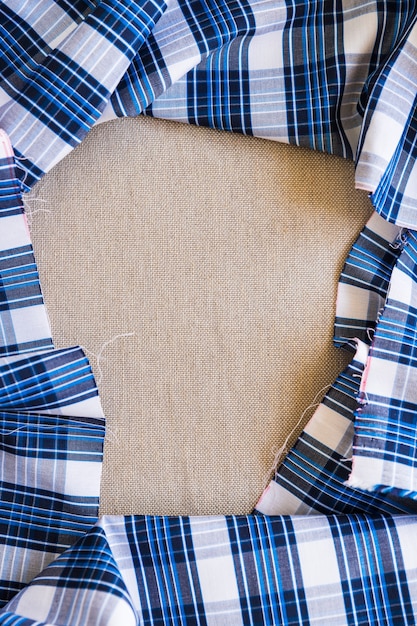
x,y
198,269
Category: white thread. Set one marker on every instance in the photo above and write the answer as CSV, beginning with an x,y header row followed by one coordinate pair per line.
x,y
23,168
380,312
282,450
362,398
99,355
30,210
370,334
31,427
5,433
400,241
112,436
23,158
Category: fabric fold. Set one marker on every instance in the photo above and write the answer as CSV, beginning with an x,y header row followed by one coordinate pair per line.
x,y
295,570
313,476
318,86
386,160
89,580
60,382
51,420
336,77
385,446
53,98
364,281
51,447
24,325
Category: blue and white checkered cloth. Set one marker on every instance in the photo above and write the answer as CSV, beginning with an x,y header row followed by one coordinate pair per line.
x,y
336,569
51,422
334,76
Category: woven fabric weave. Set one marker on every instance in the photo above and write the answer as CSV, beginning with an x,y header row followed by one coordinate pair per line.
x,y
301,72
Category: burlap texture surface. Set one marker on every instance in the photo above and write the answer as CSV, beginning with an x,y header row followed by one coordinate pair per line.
x,y
198,269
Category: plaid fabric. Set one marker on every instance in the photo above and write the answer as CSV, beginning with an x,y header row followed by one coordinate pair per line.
x,y
376,408
347,569
51,444
390,173
24,324
51,422
313,476
49,490
381,420
292,71
331,75
384,447
57,81
364,281
59,382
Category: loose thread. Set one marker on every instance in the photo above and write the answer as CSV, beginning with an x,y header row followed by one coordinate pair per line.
x,y
30,211
400,240
370,334
35,427
99,355
112,436
22,168
6,433
362,398
282,450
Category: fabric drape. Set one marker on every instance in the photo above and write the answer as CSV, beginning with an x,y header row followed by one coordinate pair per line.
x,y
333,536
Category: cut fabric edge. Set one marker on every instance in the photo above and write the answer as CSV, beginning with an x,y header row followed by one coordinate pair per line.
x,y
361,296
52,424
384,458
284,498
253,568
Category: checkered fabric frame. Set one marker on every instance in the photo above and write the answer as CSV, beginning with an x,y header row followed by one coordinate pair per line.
x,y
327,74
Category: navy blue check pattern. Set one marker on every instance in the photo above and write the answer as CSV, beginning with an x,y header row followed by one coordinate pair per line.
x,y
365,279
51,445
21,301
51,423
47,382
384,446
314,474
205,63
287,70
346,569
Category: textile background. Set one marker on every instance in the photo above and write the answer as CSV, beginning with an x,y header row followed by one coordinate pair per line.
x,y
194,268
